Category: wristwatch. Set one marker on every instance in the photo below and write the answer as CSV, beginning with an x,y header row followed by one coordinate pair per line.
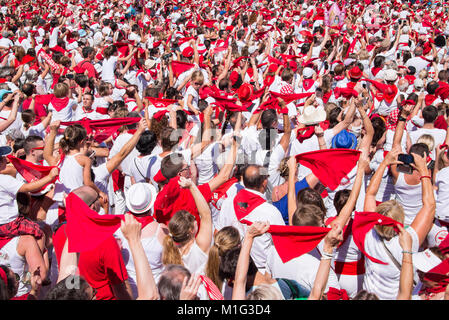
x,y
402,118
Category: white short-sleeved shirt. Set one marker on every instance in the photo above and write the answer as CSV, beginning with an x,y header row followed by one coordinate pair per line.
x,y
438,134
107,73
303,269
117,146
9,187
442,194
383,280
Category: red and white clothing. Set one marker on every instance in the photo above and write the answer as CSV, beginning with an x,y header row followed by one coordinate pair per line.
x,y
9,187
17,263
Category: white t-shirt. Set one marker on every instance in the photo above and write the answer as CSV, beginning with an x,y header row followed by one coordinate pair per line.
x,y
107,72
9,187
121,140
383,280
438,134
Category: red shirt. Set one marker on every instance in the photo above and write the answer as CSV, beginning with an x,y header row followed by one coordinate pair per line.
x,y
86,65
101,267
39,110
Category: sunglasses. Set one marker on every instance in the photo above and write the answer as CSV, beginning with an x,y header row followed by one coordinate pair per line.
x,y
98,197
38,148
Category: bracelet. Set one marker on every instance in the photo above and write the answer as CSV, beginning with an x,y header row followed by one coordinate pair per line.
x,y
425,177
407,252
327,256
320,136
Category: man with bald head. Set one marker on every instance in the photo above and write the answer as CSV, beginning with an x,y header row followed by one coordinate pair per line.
x,y
251,204
103,267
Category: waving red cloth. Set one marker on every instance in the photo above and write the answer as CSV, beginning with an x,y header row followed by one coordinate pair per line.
x,y
86,229
103,129
294,241
245,202
305,133
30,171
389,92
173,198
346,93
363,222
330,166
337,294
58,103
228,104
179,67
443,90
161,103
291,97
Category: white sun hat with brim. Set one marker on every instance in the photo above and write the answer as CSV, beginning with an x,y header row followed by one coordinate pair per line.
x,y
140,197
312,115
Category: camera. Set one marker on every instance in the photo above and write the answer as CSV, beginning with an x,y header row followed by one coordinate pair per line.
x,y
406,160
166,56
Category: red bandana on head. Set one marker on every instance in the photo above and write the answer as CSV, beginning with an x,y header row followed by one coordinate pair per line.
x,y
363,222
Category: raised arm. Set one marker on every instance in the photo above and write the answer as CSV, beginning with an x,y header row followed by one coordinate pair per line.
x,y
204,236
406,278
146,285
424,219
256,229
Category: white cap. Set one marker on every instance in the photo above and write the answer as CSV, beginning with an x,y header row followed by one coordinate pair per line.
x,y
425,260
418,83
390,75
308,72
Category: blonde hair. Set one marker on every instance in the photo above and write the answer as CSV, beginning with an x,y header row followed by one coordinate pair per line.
x,y
393,210
197,76
442,161
61,90
180,228
423,74
224,240
363,54
283,168
428,140
265,292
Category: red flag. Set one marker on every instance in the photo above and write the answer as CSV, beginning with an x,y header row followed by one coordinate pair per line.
x,y
363,222
330,166
103,129
294,241
179,67
30,171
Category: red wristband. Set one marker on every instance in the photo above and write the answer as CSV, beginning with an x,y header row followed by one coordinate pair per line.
x,y
425,177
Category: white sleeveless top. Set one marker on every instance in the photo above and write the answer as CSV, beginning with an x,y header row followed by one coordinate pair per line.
x,y
70,177
153,250
195,260
410,197
9,256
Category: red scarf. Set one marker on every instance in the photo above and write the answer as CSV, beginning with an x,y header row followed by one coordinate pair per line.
x,y
363,223
389,91
57,103
103,129
179,67
245,202
220,192
173,198
293,241
161,103
291,97
86,229
375,70
330,166
307,84
440,275
30,171
337,294
305,133
212,290
429,99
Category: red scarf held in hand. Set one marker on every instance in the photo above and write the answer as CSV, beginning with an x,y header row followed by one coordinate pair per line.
x,y
179,67
363,223
330,166
161,103
291,97
30,171
103,129
86,229
305,133
173,198
294,241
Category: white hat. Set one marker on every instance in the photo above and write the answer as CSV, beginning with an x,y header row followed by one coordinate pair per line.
x,y
149,63
312,115
296,18
308,72
425,260
405,29
140,197
418,83
252,49
390,75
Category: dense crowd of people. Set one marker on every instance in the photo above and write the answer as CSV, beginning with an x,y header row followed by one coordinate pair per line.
x,y
224,150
